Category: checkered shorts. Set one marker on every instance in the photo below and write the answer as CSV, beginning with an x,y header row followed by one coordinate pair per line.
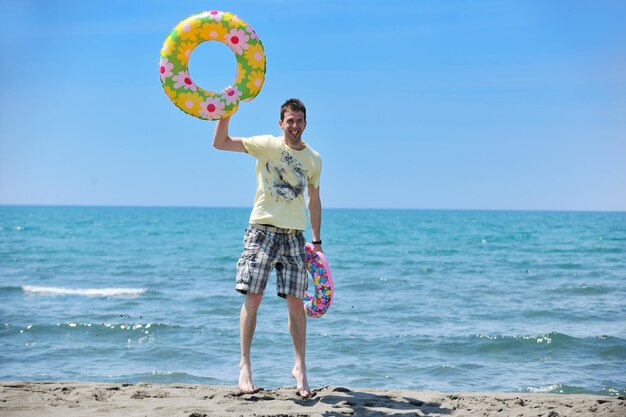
x,y
264,250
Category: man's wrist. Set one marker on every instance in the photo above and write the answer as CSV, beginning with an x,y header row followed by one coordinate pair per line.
x,y
317,242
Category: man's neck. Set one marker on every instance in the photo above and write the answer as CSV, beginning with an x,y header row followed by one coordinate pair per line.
x,y
297,145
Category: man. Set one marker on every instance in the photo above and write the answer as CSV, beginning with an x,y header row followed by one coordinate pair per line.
x,y
286,166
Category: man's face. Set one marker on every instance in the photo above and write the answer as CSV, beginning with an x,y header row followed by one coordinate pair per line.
x,y
293,124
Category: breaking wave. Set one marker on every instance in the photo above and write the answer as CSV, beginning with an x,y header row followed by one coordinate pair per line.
x,y
88,292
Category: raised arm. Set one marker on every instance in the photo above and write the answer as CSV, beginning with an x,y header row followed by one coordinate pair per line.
x,y
315,214
222,141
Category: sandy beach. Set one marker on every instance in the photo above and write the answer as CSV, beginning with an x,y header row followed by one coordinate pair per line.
x,y
70,399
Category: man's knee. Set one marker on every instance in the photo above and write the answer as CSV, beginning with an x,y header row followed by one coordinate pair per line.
x,y
253,301
294,303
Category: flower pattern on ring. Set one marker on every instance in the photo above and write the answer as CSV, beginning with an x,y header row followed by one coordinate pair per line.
x,y
252,33
189,30
237,39
184,50
212,108
165,68
255,56
190,102
182,79
215,15
241,74
255,81
168,46
231,95
234,21
171,93
213,31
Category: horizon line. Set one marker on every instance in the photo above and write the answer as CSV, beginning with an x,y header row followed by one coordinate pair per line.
x,y
41,205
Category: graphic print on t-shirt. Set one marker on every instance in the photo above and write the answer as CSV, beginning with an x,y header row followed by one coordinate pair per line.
x,y
287,178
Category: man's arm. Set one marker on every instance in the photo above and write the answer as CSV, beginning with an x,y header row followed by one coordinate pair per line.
x,y
315,214
222,141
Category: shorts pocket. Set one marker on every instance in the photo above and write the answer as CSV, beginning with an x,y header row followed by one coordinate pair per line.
x,y
252,242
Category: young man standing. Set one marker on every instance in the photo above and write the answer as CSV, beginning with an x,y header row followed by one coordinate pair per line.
x,y
274,239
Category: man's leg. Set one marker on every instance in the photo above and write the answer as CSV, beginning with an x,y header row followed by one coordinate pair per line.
x,y
247,325
297,328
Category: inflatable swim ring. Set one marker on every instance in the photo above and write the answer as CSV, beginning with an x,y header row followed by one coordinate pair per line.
x,y
228,29
317,304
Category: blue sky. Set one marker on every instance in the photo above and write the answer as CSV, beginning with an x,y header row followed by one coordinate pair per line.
x,y
412,104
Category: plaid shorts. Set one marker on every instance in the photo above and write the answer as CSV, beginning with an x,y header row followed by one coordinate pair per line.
x,y
264,249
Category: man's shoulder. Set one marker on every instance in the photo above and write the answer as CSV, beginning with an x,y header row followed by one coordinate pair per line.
x,y
313,152
260,138
256,145
263,140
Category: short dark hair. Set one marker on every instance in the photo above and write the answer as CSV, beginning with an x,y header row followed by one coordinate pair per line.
x,y
292,104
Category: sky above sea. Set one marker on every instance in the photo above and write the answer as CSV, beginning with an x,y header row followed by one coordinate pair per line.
x,y
429,104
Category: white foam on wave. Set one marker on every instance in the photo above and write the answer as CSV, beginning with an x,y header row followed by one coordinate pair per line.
x,y
544,389
88,292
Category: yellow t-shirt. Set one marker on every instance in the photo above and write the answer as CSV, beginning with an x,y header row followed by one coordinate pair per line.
x,y
282,176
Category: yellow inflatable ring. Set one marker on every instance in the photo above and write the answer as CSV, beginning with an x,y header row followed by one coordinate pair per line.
x,y
218,26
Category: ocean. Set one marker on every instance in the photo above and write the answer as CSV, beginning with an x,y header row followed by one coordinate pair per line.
x,y
428,300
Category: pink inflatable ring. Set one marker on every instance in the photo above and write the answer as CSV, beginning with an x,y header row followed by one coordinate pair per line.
x,y
317,304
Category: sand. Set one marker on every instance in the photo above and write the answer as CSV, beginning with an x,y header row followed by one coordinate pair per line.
x,y
69,399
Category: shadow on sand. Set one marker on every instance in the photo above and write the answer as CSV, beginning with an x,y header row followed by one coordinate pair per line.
x,y
348,402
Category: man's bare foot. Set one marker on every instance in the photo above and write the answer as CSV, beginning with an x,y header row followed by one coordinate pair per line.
x,y
245,379
302,385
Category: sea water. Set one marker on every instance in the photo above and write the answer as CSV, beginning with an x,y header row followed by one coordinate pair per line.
x,y
437,300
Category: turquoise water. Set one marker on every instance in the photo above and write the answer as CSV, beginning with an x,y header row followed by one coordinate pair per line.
x,y
439,300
